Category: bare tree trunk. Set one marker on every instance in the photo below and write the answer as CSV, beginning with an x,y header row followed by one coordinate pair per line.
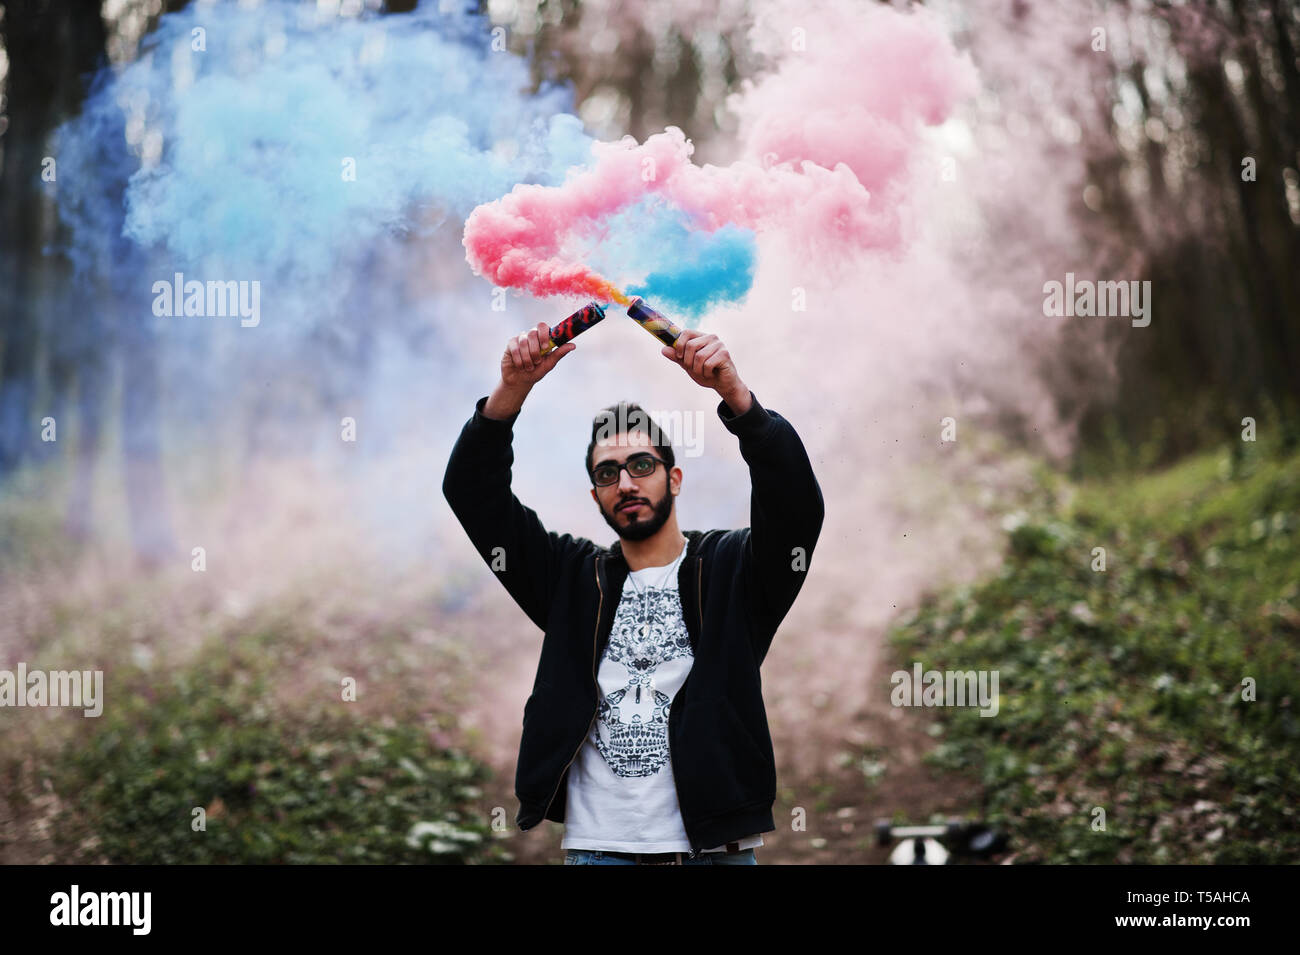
x,y
92,381
50,46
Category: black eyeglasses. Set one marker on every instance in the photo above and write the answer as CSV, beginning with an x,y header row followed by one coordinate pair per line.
x,y
638,466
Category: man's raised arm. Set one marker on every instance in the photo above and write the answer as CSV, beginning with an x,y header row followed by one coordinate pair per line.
x,y
508,536
786,511
786,505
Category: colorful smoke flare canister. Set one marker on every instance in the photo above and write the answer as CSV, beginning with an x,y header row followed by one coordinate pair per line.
x,y
574,325
657,325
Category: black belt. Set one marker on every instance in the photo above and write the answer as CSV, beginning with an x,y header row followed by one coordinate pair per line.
x,y
665,858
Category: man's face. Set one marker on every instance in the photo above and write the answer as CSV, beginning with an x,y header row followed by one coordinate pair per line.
x,y
634,507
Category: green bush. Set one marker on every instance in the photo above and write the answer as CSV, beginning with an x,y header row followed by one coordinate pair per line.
x,y
1123,690
278,783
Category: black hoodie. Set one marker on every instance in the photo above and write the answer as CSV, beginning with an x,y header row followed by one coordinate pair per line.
x,y
736,587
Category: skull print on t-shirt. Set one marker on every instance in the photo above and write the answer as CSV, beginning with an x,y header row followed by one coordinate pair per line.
x,y
645,662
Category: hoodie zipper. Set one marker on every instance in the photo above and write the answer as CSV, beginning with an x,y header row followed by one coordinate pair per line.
x,y
696,851
594,636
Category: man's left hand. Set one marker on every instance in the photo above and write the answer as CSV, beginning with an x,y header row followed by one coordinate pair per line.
x,y
707,361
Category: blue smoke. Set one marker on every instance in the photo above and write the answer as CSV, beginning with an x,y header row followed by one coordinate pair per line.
x,y
295,143
650,249
702,270
294,140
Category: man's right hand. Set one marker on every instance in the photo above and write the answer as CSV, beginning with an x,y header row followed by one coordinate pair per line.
x,y
522,366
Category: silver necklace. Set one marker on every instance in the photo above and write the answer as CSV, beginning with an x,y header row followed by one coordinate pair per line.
x,y
644,629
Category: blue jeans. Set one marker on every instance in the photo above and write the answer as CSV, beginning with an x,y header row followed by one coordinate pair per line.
x,y
597,857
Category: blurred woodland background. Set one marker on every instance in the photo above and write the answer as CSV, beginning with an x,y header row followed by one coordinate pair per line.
x,y
1177,144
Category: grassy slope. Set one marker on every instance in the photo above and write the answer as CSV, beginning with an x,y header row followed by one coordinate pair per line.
x,y
280,780
249,726
1123,689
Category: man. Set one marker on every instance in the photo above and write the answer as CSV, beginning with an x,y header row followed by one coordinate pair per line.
x,y
645,732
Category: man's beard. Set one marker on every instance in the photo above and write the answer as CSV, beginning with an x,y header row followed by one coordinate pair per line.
x,y
639,530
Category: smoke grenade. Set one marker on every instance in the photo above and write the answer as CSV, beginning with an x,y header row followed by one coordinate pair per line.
x,y
657,325
574,325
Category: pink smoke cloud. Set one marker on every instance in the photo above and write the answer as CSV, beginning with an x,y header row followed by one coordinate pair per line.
x,y
827,139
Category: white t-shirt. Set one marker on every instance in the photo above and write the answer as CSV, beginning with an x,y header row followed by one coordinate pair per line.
x,y
621,796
